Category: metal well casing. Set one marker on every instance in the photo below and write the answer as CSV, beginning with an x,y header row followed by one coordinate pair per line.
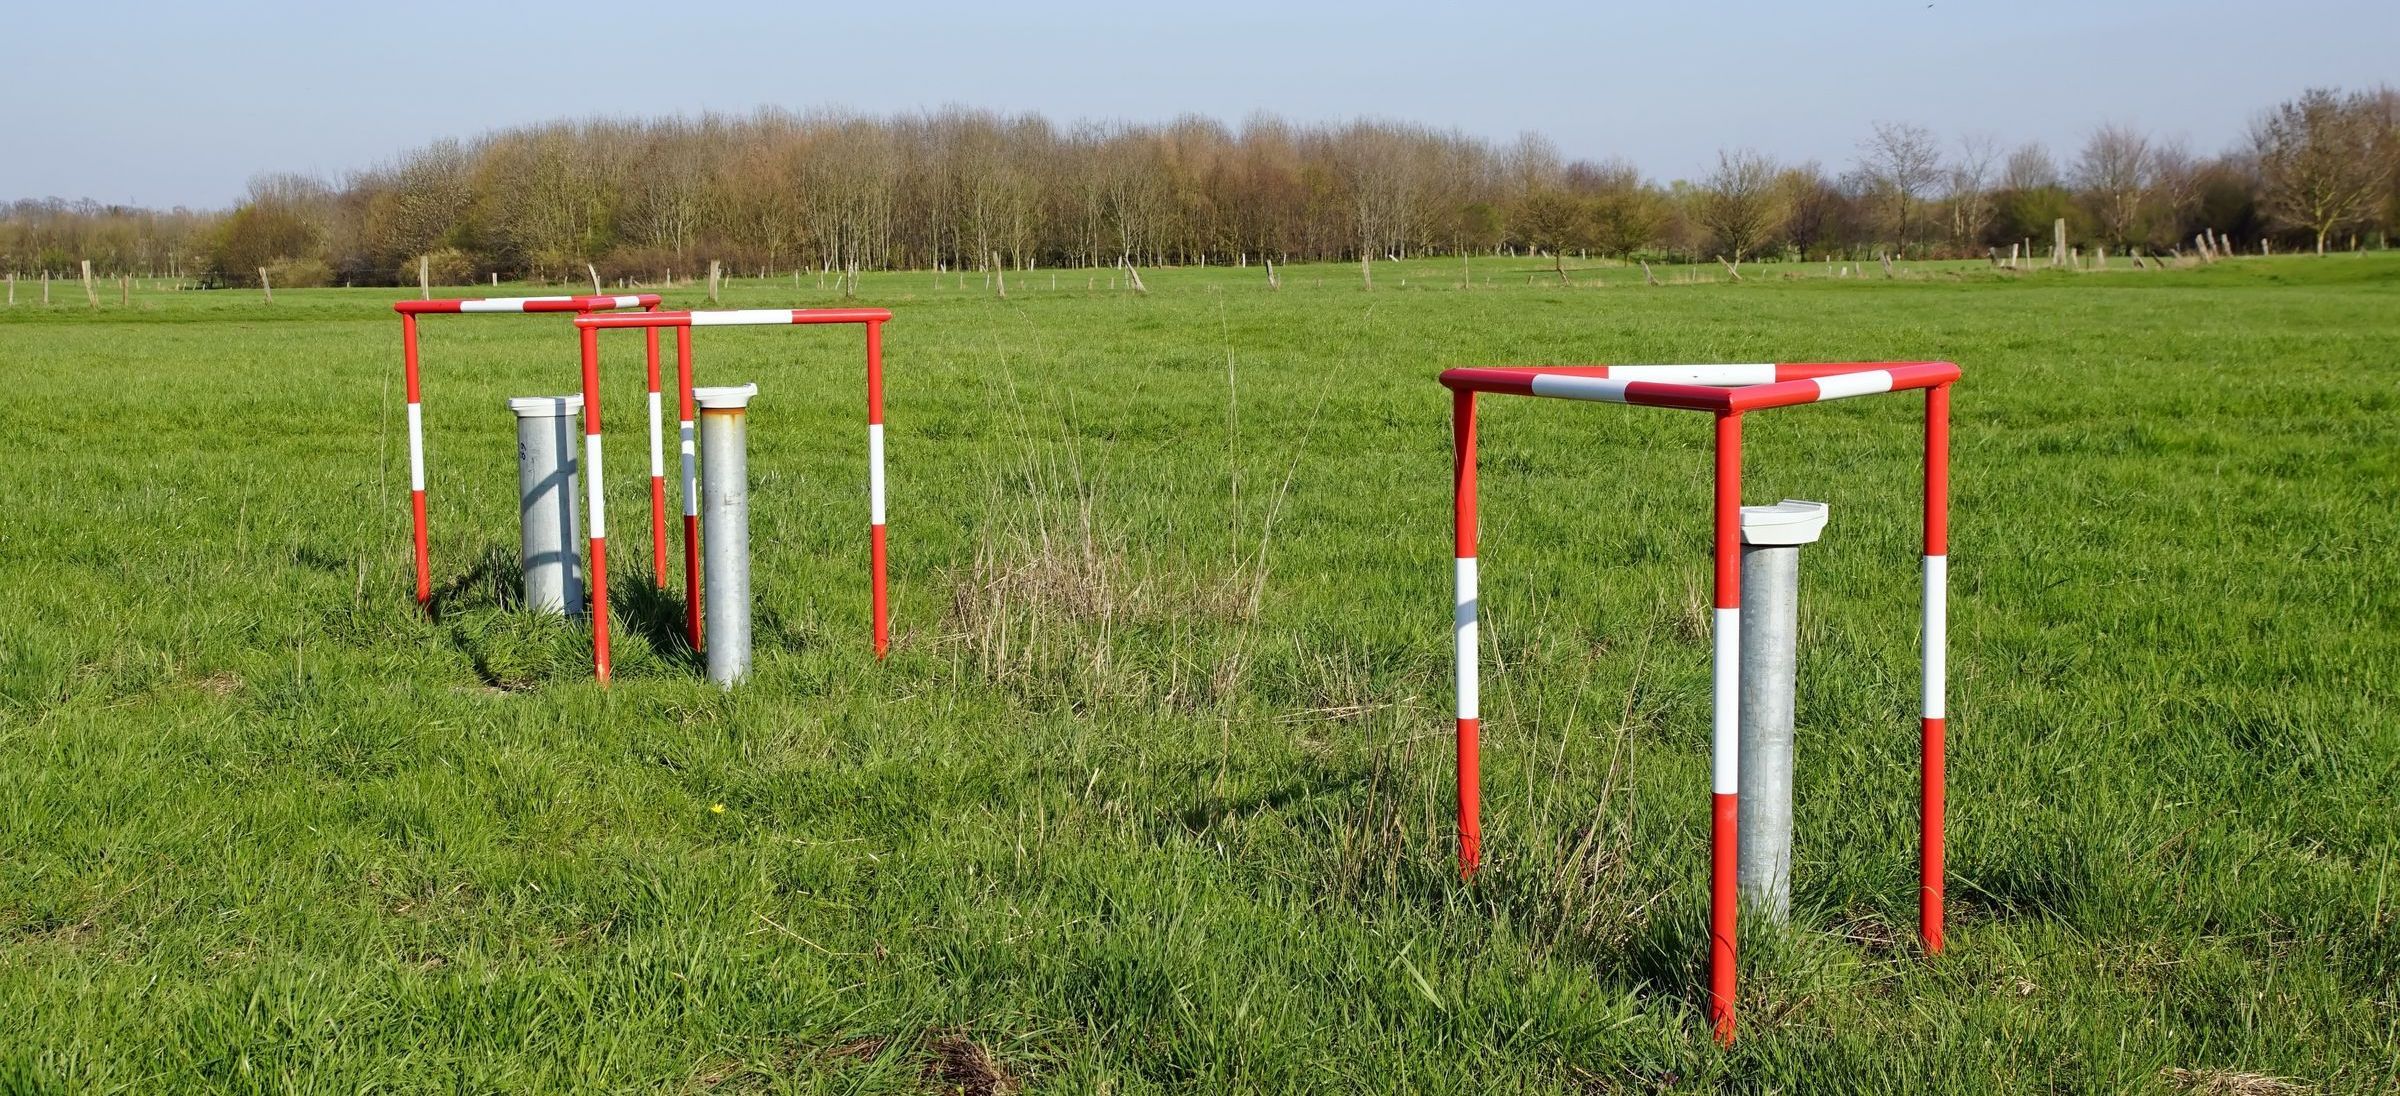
x,y
725,528
1770,616
550,528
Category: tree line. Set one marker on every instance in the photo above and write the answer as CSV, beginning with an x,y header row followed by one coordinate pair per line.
x,y
964,189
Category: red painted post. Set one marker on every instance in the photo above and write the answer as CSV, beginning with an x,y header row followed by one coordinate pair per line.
x,y
687,444
658,465
595,567
1724,745
1936,658
416,461
1464,632
879,606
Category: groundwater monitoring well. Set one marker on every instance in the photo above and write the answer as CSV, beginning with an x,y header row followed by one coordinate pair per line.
x,y
1771,540
725,527
550,533
1726,393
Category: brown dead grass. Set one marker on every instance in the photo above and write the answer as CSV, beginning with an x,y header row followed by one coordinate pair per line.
x,y
1045,605
961,1065
2231,1082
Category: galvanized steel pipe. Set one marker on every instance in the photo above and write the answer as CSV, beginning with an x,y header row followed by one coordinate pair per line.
x,y
725,528
549,527
1771,540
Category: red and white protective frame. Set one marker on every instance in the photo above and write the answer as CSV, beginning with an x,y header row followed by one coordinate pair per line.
x,y
410,310
1727,392
588,327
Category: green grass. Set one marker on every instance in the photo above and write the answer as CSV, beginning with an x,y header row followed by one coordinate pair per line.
x,y
1152,793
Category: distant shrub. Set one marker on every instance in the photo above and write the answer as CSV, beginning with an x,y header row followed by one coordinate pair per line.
x,y
448,266
300,273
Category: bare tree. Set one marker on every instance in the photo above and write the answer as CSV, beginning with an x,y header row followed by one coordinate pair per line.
x,y
410,208
1970,186
1814,205
2319,158
1624,210
2029,168
671,195
1552,219
1530,164
1903,163
1739,204
2115,171
2175,180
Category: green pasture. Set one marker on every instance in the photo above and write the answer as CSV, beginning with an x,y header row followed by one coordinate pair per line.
x,y
1152,794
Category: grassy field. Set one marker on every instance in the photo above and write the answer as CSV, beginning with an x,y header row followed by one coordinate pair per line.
x,y
1152,794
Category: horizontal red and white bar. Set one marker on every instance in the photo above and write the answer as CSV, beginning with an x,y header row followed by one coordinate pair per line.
x,y
471,305
738,317
1720,388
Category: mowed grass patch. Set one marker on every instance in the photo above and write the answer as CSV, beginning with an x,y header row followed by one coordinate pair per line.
x,y
1153,793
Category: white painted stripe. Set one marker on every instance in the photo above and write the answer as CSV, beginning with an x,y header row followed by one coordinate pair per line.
x,y
1462,625
416,447
504,304
1937,634
628,302
875,473
1723,375
1605,389
691,469
591,486
658,441
742,317
1845,385
1724,744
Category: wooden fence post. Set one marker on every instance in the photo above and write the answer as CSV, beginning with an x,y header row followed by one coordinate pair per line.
x,y
265,286
90,295
713,268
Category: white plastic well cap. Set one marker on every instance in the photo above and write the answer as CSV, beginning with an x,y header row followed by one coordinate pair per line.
x,y
546,407
731,398
1791,521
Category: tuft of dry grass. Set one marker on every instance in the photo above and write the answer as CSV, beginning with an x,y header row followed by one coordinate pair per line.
x,y
1040,598
1871,934
964,1066
2231,1082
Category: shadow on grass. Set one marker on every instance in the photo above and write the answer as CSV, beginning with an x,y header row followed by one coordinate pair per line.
x,y
1578,903
493,581
657,616
482,612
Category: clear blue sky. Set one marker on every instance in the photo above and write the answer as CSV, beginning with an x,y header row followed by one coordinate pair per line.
x,y
165,104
